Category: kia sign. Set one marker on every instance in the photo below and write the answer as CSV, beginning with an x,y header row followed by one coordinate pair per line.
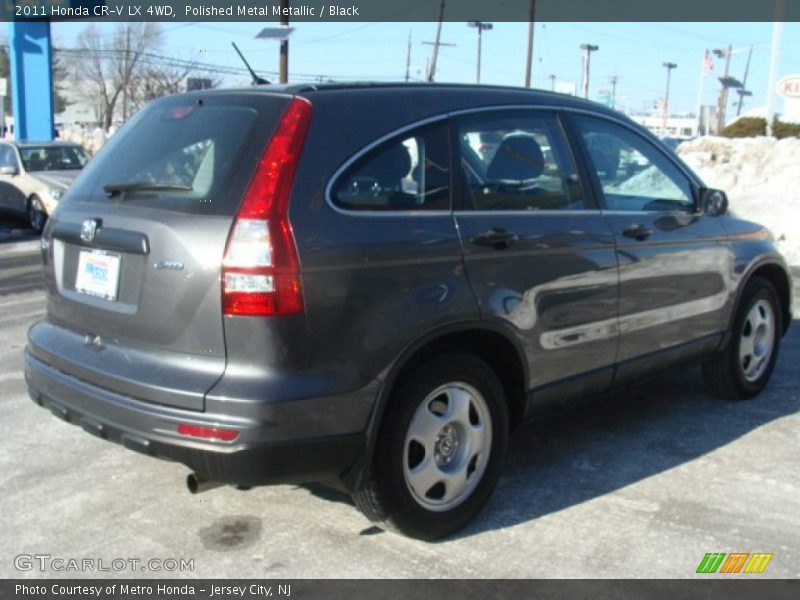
x,y
789,87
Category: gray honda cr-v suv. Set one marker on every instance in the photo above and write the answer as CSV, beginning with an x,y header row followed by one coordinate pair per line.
x,y
344,284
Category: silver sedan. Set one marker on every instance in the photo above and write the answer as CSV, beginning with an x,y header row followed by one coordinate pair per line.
x,y
35,175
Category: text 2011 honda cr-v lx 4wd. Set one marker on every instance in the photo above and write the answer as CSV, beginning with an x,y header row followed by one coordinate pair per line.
x,y
346,283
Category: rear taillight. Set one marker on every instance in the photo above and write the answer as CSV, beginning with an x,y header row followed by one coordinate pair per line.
x,y
261,271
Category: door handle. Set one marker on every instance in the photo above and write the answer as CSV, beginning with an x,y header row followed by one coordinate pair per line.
x,y
496,238
637,231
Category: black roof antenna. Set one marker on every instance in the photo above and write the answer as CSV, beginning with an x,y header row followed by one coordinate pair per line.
x,y
256,79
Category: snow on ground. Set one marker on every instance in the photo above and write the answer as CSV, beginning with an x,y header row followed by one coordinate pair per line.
x,y
762,178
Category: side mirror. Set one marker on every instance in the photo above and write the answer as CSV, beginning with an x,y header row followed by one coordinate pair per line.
x,y
712,202
8,170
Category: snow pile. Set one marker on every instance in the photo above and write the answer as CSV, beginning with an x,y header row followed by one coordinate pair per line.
x,y
650,182
762,178
91,139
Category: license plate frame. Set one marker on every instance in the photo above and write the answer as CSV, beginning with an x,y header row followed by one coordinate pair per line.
x,y
98,274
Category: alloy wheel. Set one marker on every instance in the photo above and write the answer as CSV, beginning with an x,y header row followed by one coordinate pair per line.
x,y
447,446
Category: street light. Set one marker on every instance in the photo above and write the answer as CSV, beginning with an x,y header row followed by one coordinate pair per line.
x,y
587,57
481,27
274,33
669,66
281,34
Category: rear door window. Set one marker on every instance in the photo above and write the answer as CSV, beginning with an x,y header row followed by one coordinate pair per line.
x,y
185,154
408,173
516,161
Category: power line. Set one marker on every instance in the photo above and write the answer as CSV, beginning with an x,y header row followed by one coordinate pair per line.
x,y
156,59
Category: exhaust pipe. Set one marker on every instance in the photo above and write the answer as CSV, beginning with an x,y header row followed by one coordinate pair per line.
x,y
197,484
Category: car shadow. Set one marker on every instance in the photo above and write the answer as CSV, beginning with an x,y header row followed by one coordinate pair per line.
x,y
590,449
14,228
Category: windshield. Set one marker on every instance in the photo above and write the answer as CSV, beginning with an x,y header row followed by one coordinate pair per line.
x,y
53,158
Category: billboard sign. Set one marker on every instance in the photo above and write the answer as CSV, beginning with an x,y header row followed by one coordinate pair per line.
x,y
789,87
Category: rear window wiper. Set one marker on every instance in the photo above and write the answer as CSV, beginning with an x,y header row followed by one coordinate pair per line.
x,y
112,189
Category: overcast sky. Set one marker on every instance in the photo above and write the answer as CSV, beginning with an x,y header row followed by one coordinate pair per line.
x,y
632,51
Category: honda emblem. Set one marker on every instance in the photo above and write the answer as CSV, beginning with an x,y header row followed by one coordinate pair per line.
x,y
88,229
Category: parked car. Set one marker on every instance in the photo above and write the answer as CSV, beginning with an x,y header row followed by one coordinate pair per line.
x,y
329,283
35,175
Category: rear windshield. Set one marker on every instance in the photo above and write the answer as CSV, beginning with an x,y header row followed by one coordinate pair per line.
x,y
53,158
186,154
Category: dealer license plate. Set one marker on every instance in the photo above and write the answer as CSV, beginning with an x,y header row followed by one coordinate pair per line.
x,y
98,274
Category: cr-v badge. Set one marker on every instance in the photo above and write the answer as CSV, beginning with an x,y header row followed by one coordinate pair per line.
x,y
168,265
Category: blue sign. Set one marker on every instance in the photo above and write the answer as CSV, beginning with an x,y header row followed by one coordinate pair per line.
x,y
31,79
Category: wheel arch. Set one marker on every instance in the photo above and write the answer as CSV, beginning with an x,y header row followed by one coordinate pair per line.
x,y
29,200
493,343
778,276
774,271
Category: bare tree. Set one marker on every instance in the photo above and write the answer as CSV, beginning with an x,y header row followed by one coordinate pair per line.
x,y
161,79
122,71
59,81
106,67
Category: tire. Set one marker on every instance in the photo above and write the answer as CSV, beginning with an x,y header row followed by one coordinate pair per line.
x,y
744,367
440,448
37,215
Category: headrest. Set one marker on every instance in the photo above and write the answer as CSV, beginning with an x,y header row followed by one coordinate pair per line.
x,y
518,158
389,166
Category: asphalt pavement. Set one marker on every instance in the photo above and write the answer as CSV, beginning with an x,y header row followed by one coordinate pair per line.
x,y
642,484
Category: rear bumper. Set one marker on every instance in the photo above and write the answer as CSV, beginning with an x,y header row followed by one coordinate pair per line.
x,y
151,429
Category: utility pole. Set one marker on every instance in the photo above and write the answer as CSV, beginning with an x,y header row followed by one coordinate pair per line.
x,y
742,91
723,93
284,59
436,44
777,32
481,27
613,81
587,58
126,79
3,93
529,61
408,56
669,66
553,82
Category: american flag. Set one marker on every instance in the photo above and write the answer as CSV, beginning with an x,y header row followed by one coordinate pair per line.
x,y
708,63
